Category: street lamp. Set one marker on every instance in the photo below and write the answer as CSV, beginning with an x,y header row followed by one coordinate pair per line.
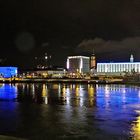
x,y
46,58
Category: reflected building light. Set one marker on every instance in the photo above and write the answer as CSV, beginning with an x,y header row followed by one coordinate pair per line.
x,y
33,89
55,86
71,86
91,90
91,93
46,100
77,102
97,86
68,101
2,85
139,93
68,91
81,102
107,94
64,89
59,90
10,94
23,87
27,87
135,131
44,91
91,102
64,93
77,99
124,97
15,87
81,92
77,91
123,90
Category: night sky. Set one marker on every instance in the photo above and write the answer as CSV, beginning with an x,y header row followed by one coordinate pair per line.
x,y
29,29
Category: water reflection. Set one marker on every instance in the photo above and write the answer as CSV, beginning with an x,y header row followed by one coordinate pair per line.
x,y
76,109
8,92
75,95
72,94
135,131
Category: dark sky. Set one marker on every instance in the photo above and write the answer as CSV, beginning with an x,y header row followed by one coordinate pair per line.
x,y
29,28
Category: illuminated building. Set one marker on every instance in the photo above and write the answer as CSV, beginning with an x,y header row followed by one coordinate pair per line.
x,y
45,73
55,73
8,72
78,64
119,67
93,61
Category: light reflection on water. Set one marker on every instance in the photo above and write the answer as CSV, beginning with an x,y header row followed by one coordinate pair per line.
x,y
70,111
135,131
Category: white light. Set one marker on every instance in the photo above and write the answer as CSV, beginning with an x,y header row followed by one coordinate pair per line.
x,y
118,67
68,65
81,64
78,57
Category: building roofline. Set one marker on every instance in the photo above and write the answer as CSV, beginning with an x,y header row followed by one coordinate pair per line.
x,y
79,56
118,63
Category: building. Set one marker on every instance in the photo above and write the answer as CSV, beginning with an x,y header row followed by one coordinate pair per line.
x,y
93,61
52,73
78,64
7,72
119,67
44,73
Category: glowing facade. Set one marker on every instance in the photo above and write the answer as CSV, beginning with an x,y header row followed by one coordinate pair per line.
x,y
8,72
118,68
78,64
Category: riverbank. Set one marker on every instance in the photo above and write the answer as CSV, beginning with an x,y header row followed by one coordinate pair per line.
x,y
56,80
68,80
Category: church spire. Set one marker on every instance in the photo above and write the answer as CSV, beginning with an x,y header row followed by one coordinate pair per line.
x,y
93,60
131,58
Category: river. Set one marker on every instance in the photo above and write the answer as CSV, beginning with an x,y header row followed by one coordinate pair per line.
x,y
38,111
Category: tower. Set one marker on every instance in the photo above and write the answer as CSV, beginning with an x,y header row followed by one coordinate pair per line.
x,y
93,61
131,58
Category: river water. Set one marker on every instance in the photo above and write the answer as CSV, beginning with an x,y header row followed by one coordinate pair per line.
x,y
70,111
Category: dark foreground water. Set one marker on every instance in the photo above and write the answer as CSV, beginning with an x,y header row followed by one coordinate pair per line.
x,y
70,111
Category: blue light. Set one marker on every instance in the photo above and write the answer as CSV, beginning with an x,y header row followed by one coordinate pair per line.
x,y
7,92
8,72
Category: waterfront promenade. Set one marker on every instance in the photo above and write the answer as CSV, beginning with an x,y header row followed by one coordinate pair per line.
x,y
63,80
69,80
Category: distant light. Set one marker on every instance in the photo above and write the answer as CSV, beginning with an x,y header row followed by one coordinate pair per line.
x,y
68,63
78,57
81,64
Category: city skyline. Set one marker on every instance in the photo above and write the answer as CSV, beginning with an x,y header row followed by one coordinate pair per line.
x,y
30,29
